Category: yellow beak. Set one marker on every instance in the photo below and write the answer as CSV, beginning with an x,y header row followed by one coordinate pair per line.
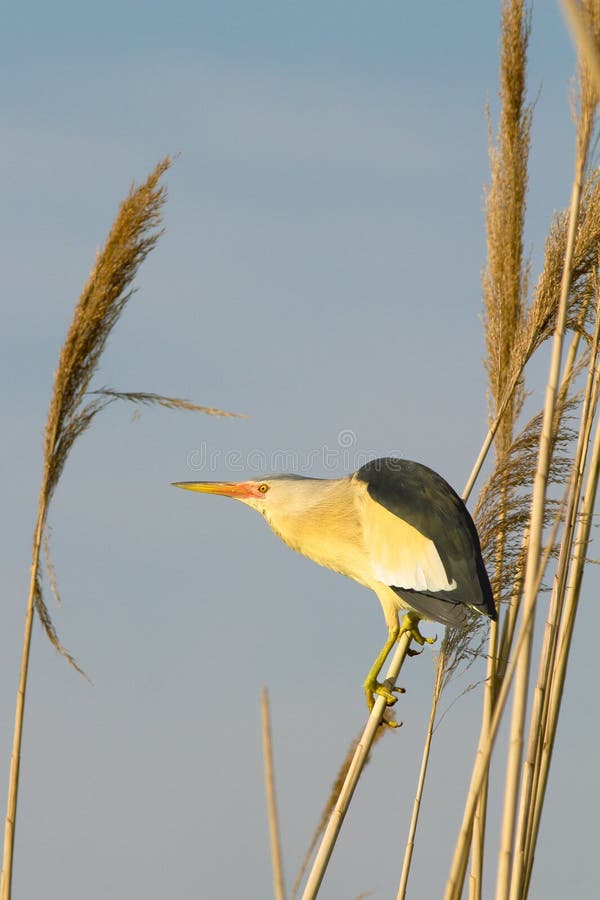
x,y
239,490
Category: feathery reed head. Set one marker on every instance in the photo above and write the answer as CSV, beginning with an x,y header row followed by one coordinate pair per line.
x,y
133,234
73,407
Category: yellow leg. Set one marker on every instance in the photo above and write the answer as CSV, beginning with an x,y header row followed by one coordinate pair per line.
x,y
372,686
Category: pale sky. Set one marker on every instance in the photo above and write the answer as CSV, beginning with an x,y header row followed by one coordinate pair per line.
x,y
320,272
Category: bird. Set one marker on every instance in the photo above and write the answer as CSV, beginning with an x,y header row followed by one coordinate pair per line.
x,y
394,526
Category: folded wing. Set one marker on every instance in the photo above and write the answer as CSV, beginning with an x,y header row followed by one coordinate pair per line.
x,y
422,541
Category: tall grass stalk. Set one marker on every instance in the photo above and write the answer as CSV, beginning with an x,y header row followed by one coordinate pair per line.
x,y
480,818
358,762
516,739
584,38
560,667
410,841
442,673
515,504
579,255
15,760
561,621
276,855
505,282
326,813
548,653
133,235
454,884
584,21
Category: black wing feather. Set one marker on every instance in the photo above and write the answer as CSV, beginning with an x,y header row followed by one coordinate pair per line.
x,y
421,497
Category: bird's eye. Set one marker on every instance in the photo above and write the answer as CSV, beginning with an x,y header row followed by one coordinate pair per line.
x,y
263,488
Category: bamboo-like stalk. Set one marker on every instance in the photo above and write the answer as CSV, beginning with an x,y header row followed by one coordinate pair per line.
x,y
458,868
410,841
552,668
478,842
505,876
492,655
487,443
490,687
537,324
564,643
15,761
359,759
276,856
454,884
529,762
510,618
491,433
533,554
479,821
503,653
328,809
438,684
556,646
538,320
505,289
548,652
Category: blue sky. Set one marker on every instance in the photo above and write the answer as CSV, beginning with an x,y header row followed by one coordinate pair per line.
x,y
320,272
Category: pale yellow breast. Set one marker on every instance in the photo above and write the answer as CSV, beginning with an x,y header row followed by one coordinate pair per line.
x,y
329,531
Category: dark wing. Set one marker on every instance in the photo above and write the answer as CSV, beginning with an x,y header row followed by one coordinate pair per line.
x,y
427,549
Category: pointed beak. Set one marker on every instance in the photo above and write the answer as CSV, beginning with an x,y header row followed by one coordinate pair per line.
x,y
239,490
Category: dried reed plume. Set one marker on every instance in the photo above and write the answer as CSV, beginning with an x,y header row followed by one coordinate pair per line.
x,y
133,235
523,521
505,284
514,507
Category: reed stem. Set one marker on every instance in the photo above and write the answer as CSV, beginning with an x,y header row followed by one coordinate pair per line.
x,y
359,759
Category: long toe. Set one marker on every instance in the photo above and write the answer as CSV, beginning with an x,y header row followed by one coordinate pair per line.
x,y
376,689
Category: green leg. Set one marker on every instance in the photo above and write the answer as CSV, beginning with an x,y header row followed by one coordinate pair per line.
x,y
372,686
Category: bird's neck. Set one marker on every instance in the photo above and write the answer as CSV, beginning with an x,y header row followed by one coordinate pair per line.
x,y
324,525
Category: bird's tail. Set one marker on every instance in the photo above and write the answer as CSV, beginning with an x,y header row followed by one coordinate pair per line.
x,y
435,607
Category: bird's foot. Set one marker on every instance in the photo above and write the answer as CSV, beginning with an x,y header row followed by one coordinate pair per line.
x,y
410,625
389,693
374,689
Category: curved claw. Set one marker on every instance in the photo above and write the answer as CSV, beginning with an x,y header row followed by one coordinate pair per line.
x,y
390,723
388,693
375,688
410,624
